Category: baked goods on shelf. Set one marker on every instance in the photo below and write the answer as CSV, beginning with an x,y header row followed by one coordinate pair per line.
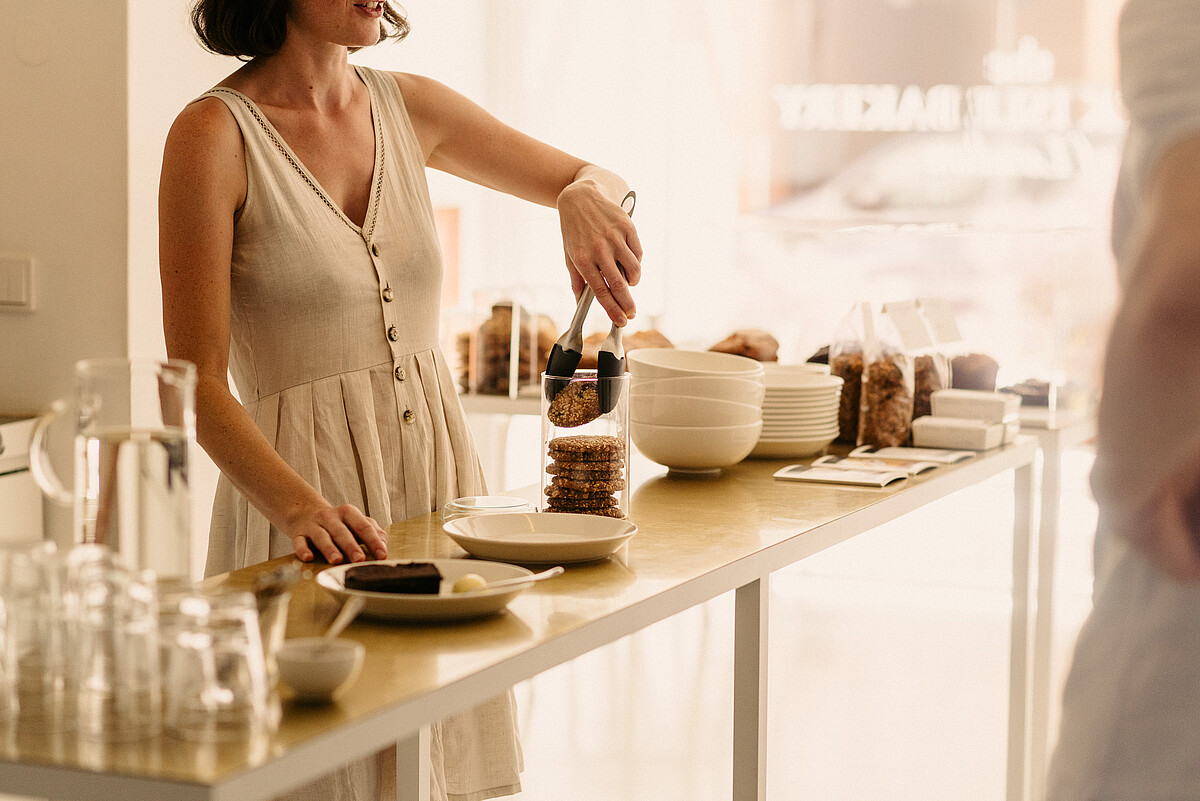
x,y
753,343
1031,391
487,351
649,338
973,371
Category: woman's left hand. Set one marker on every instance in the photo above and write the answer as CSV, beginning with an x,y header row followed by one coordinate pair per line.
x,y
601,246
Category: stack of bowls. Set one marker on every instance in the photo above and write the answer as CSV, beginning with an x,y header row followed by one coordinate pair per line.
x,y
800,411
693,410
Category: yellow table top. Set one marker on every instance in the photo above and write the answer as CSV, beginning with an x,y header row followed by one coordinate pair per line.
x,y
698,537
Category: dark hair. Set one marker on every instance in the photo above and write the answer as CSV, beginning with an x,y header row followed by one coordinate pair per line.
x,y
247,29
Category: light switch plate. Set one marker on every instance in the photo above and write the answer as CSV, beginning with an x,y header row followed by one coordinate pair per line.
x,y
16,283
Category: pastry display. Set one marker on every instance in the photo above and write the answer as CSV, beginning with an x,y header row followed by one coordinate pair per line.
x,y
414,578
487,351
752,343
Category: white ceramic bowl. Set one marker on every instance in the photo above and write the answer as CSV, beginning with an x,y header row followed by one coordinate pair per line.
x,y
317,668
738,390
684,410
673,362
695,448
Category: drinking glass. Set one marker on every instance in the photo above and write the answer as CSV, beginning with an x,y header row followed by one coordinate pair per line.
x,y
217,687
133,422
115,613
37,634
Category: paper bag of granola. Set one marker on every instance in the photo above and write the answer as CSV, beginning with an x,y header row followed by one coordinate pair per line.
x,y
888,384
846,361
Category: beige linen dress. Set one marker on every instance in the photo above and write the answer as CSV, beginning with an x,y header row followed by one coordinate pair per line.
x,y
334,353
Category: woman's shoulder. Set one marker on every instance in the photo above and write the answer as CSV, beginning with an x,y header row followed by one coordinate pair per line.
x,y
205,131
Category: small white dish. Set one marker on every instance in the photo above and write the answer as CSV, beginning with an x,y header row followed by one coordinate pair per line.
x,y
317,669
540,538
446,605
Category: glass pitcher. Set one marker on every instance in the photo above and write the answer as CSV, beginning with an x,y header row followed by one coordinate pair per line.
x,y
134,421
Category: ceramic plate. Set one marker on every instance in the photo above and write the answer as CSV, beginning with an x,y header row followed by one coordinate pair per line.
x,y
443,606
791,448
540,538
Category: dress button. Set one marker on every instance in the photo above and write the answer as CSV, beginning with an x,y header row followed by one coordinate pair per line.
x,y
400,376
409,415
388,294
393,334
374,249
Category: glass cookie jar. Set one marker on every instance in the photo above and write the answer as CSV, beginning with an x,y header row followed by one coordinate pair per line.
x,y
585,444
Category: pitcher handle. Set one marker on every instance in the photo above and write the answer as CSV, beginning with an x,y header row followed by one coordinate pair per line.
x,y
39,458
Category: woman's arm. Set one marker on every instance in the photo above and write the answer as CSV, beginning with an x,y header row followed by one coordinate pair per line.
x,y
202,186
599,240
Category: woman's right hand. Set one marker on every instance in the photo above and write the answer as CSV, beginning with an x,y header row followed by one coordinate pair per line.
x,y
339,534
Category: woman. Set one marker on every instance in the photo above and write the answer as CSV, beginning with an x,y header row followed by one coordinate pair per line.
x,y
298,253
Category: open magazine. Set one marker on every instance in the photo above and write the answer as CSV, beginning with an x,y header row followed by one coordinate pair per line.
x,y
910,467
936,455
828,474
871,467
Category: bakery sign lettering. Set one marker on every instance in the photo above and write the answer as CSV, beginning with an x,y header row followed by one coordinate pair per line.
x,y
1020,98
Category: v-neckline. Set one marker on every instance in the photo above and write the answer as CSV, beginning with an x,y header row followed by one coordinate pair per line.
x,y
368,226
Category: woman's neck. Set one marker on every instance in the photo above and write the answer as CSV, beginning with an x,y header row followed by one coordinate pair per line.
x,y
299,77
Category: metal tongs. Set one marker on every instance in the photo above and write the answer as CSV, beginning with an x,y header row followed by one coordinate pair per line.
x,y
568,350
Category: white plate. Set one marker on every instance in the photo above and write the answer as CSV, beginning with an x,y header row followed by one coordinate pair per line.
x,y
791,448
540,538
443,606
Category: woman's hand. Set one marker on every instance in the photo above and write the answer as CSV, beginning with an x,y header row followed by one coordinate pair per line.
x,y
340,534
601,246
1167,533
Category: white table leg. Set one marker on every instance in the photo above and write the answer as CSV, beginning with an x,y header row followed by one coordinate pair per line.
x,y
1019,684
750,691
412,767
1043,624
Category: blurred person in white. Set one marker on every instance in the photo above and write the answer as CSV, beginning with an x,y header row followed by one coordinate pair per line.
x,y
1131,707
298,254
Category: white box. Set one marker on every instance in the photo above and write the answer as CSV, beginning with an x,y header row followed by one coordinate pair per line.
x,y
973,404
956,433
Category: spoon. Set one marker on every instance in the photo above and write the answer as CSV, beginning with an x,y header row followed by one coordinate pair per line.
x,y
513,582
350,610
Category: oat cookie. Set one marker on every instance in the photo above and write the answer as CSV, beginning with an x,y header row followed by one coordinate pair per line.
x,y
581,471
553,492
576,404
611,485
611,511
576,505
586,448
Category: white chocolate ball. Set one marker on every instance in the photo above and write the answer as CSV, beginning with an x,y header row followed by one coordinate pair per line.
x,y
468,582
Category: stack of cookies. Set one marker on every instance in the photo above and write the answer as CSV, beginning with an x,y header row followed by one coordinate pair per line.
x,y
587,471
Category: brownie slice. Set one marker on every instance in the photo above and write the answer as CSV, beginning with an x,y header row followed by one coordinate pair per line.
x,y
421,578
